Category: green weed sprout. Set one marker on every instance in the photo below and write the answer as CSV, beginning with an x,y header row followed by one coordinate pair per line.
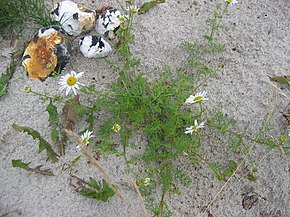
x,y
13,13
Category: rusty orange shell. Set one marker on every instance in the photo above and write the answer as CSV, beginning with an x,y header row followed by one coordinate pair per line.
x,y
45,53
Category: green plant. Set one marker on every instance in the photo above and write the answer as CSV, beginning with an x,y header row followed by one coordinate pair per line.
x,y
162,109
13,13
43,144
99,191
25,166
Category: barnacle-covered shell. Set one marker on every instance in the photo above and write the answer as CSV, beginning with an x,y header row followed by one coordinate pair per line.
x,y
74,19
94,46
108,22
48,51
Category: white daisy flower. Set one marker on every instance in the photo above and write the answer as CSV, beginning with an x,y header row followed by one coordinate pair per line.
x,y
122,18
146,182
70,82
116,128
232,2
133,9
196,98
195,127
86,136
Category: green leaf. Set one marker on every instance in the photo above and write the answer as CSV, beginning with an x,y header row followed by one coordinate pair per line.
x,y
208,38
20,164
251,177
148,5
5,77
97,191
76,160
233,165
53,115
43,144
228,172
220,121
58,137
90,120
25,166
281,79
235,144
93,183
54,135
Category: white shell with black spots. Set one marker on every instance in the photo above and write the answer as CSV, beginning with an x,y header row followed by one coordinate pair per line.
x,y
74,19
108,22
94,47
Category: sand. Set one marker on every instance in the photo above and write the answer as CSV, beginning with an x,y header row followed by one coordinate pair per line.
x,y
256,46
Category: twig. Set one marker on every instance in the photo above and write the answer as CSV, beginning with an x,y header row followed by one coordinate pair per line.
x,y
99,167
135,187
276,89
271,108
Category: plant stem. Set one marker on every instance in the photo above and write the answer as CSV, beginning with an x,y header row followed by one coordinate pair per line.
x,y
47,97
161,204
216,23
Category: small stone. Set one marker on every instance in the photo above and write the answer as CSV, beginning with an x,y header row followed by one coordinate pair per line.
x,y
48,51
108,23
94,47
74,19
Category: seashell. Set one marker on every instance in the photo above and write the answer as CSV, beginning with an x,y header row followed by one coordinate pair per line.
x,y
108,22
48,51
73,18
94,47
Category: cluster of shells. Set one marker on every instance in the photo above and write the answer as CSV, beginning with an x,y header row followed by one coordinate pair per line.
x,y
50,50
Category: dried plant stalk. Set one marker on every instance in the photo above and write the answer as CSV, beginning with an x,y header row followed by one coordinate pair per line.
x,y
100,168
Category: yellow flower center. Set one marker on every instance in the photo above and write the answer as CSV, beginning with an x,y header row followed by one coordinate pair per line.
x,y
194,128
85,141
71,81
198,98
133,10
27,89
116,128
122,19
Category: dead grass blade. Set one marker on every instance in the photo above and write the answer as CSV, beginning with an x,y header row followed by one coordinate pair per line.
x,y
99,167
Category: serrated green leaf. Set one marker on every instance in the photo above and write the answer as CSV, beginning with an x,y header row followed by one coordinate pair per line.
x,y
97,191
53,115
43,144
106,192
148,5
37,169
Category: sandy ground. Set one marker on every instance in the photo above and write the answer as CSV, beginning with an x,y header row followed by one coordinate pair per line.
x,y
257,45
